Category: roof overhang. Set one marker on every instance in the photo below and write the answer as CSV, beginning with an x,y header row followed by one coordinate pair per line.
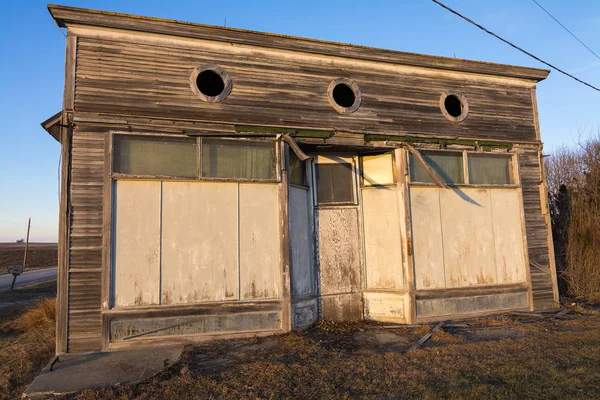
x,y
53,124
67,16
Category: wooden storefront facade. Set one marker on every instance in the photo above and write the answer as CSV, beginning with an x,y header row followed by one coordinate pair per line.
x,y
222,183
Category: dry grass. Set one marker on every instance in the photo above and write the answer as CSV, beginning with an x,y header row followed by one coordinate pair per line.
x,y
552,359
26,344
574,185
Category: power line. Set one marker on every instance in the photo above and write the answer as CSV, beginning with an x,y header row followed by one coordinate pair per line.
x,y
513,45
566,29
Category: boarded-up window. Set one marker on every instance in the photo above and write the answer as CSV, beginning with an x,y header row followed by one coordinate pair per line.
x,y
161,156
334,183
238,160
489,169
448,166
378,170
297,174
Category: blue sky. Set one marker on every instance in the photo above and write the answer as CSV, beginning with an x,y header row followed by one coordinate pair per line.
x,y
32,53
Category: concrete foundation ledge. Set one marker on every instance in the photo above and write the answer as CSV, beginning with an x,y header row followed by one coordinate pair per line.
x,y
78,371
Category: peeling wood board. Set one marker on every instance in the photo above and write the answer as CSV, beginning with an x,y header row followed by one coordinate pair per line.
x,y
339,253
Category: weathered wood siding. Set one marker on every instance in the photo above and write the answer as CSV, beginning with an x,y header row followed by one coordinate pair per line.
x,y
125,74
542,281
85,237
340,261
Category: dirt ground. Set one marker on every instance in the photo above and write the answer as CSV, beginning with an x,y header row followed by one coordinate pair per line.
x,y
507,356
500,357
39,255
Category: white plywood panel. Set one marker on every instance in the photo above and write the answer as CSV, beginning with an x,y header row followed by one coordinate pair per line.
x,y
383,247
378,170
468,237
136,238
428,253
199,242
339,250
385,306
301,255
260,255
508,235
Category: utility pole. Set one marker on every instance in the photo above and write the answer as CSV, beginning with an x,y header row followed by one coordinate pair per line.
x,y
17,272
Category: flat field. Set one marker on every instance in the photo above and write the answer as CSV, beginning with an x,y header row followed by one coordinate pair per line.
x,y
39,255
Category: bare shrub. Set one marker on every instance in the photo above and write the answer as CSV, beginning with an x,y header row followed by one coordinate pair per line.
x,y
574,194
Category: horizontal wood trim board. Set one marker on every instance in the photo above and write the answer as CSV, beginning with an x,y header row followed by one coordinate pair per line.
x,y
468,292
196,309
66,16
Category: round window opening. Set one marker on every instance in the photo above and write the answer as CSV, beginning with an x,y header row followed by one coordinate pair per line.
x,y
454,106
344,95
211,83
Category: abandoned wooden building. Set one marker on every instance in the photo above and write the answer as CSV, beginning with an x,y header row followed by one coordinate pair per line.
x,y
219,182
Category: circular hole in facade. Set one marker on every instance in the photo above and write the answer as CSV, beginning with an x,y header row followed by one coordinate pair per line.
x,y
210,83
453,106
343,95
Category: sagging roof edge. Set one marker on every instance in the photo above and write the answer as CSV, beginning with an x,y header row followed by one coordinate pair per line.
x,y
52,125
64,16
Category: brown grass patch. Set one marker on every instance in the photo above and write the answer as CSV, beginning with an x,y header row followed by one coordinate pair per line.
x,y
27,344
558,360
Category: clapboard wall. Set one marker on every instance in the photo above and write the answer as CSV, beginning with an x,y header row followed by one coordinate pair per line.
x,y
124,74
86,194
543,280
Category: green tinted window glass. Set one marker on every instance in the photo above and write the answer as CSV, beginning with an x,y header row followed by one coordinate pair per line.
x,y
489,169
157,156
238,159
448,166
